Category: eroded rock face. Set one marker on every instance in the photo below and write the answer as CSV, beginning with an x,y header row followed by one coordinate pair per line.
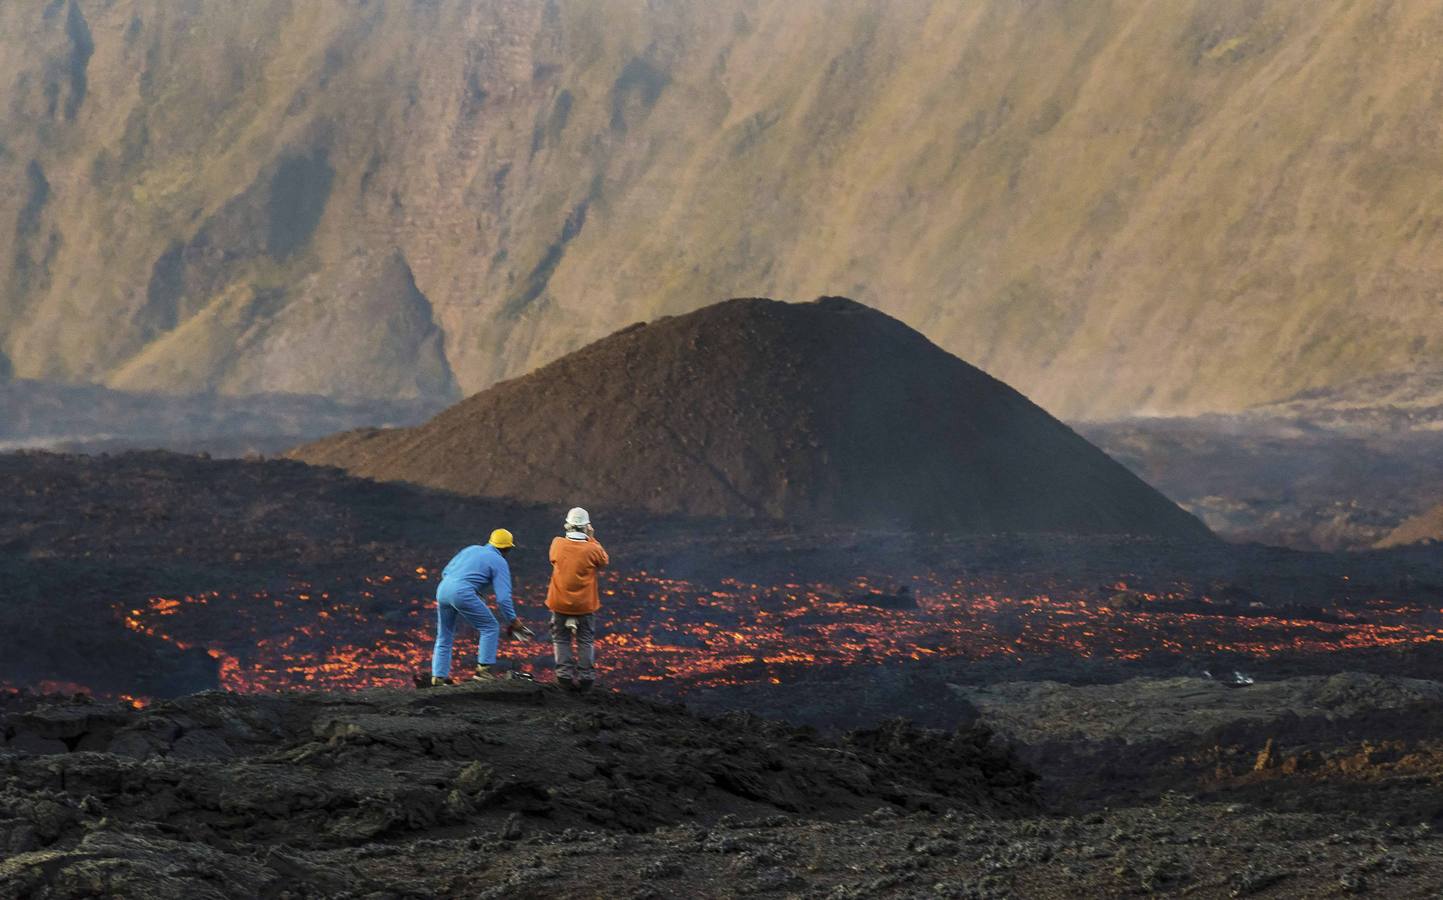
x,y
314,774
549,172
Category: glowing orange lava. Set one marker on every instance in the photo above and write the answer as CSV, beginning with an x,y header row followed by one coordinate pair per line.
x,y
656,629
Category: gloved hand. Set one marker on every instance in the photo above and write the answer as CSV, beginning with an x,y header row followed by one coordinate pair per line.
x,y
517,631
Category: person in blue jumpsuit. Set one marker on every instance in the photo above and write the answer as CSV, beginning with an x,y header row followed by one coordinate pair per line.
x,y
459,594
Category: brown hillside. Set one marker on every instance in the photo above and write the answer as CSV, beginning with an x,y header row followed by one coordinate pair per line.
x,y
1424,527
754,408
1116,206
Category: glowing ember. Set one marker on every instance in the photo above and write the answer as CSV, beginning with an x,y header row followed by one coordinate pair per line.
x,y
663,630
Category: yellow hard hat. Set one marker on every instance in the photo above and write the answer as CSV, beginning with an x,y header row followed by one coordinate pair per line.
x,y
501,539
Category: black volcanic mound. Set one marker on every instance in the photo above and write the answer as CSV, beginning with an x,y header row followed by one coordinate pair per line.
x,y
822,411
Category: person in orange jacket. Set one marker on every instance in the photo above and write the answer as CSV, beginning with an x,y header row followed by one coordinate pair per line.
x,y
573,600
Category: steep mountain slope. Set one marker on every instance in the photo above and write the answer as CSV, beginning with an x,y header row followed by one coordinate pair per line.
x,y
1426,526
819,411
1117,207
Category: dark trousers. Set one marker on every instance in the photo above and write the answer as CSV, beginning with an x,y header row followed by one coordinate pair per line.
x,y
578,664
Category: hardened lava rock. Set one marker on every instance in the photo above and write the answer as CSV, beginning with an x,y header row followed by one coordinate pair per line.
x,y
204,794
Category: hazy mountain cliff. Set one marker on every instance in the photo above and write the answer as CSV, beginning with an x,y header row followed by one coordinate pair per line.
x,y
1113,206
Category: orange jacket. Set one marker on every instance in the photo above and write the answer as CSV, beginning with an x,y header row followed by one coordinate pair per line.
x,y
572,591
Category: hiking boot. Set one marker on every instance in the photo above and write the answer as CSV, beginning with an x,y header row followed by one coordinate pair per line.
x,y
437,681
484,673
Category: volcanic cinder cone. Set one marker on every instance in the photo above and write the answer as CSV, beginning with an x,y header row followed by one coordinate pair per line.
x,y
819,412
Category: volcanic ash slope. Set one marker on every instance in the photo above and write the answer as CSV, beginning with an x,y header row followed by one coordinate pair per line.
x,y
759,409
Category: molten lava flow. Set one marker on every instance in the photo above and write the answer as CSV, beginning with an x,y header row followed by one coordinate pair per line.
x,y
657,630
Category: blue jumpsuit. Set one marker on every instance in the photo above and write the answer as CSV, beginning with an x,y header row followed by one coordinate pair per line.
x,y
459,593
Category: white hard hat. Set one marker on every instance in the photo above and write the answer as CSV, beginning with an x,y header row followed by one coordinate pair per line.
x,y
578,518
